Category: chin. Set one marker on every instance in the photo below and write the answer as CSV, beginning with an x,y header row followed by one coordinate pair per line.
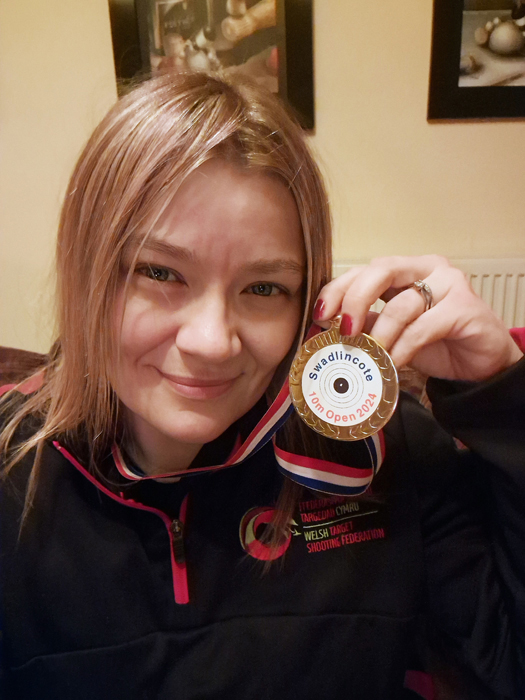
x,y
197,429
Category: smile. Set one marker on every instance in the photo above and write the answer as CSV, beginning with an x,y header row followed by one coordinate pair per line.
x,y
200,389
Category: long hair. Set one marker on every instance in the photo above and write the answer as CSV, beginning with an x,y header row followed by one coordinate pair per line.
x,y
145,147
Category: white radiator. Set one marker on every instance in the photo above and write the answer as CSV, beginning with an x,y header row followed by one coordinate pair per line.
x,y
499,282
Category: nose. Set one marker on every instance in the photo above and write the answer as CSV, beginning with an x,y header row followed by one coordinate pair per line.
x,y
209,331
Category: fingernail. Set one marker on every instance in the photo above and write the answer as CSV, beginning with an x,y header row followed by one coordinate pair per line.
x,y
346,325
318,309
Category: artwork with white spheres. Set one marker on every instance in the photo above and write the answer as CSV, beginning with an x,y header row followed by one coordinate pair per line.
x,y
478,59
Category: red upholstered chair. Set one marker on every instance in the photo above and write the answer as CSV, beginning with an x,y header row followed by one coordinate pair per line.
x,y
16,364
519,337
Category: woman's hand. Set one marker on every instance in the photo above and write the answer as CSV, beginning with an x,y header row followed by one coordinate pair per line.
x,y
460,337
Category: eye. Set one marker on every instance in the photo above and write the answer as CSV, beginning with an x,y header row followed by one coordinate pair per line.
x,y
158,273
265,289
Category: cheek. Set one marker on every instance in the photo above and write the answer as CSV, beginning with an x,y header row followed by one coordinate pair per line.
x,y
275,342
140,328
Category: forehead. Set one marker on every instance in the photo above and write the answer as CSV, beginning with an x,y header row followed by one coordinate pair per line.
x,y
222,205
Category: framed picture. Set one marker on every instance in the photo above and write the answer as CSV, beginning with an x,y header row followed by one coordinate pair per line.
x,y
269,40
477,66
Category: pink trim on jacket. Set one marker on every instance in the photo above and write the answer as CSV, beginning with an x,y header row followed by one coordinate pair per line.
x,y
179,571
420,683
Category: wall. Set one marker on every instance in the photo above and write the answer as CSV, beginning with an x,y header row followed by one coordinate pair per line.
x,y
56,81
397,183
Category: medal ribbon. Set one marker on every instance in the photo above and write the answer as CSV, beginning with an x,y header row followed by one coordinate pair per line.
x,y
269,424
313,473
330,477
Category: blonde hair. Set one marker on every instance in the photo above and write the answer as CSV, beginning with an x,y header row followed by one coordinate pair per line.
x,y
151,140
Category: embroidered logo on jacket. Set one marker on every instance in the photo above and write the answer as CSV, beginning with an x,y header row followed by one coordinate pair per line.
x,y
324,523
253,525
330,523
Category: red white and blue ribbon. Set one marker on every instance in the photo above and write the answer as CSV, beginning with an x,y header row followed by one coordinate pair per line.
x,y
330,477
315,474
265,429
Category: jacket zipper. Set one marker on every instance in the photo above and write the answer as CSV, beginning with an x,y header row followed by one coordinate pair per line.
x,y
178,556
175,532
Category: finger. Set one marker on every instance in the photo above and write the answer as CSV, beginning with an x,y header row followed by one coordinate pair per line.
x,y
328,303
402,310
353,293
407,305
370,321
428,328
383,278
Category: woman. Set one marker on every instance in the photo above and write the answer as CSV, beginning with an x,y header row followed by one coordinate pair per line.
x,y
193,248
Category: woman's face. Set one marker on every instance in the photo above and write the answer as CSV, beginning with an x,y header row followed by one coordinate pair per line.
x,y
213,306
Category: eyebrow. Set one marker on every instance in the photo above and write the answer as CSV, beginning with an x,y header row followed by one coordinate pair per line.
x,y
158,246
263,266
270,267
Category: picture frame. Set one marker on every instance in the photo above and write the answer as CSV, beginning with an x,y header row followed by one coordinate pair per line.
x,y
496,87
154,35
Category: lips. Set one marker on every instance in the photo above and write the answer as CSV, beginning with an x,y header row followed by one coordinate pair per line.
x,y
195,388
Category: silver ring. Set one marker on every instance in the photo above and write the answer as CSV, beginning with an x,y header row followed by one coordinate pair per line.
x,y
425,291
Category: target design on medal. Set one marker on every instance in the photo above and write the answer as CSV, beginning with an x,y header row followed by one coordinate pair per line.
x,y
342,385
346,387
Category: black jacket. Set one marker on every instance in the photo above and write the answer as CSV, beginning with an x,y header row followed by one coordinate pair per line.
x,y
89,590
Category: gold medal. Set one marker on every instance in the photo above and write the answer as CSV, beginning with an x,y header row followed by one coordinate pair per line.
x,y
344,387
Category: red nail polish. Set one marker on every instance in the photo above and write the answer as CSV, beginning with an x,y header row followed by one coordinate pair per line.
x,y
346,325
318,309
